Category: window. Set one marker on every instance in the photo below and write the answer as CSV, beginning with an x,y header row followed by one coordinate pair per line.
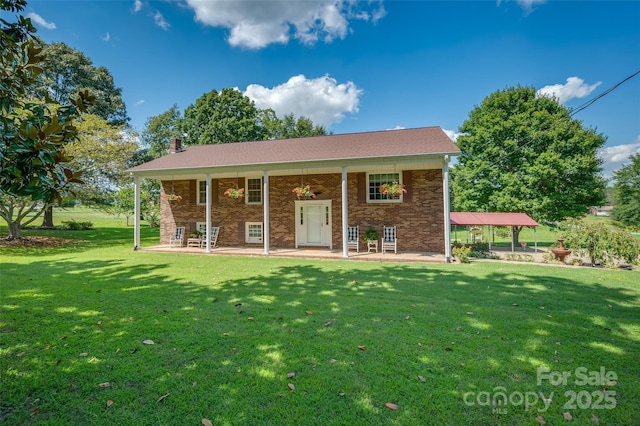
x,y
202,192
202,227
254,191
253,232
374,180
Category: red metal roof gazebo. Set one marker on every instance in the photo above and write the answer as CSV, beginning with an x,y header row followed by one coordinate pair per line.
x,y
495,219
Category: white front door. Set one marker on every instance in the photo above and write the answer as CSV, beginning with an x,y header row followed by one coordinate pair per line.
x,y
313,223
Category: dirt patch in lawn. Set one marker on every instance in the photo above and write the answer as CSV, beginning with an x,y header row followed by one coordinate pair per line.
x,y
37,241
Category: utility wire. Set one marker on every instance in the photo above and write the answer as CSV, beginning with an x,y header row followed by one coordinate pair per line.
x,y
601,95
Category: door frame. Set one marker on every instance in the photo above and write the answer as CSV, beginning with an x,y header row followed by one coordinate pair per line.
x,y
327,225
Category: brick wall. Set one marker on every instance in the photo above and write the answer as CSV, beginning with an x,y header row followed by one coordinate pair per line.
x,y
419,218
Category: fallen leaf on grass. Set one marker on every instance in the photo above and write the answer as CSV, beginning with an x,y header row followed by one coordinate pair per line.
x,y
292,387
514,304
391,406
469,313
407,317
362,348
109,403
35,411
333,361
250,318
448,349
148,342
567,415
83,354
308,312
540,420
104,384
163,397
354,282
595,418
21,354
327,324
207,422
225,334
290,375
422,379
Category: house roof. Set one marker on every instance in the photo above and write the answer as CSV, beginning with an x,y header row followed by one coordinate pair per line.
x,y
495,219
367,145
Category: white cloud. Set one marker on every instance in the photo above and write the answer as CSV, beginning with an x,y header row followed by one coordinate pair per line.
x,y
140,102
160,21
107,37
453,135
615,157
574,88
39,20
526,5
256,24
137,6
321,99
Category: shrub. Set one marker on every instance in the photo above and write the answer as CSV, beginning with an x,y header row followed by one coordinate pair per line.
x,y
74,225
462,253
601,244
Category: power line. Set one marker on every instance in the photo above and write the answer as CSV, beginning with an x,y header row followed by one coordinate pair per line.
x,y
601,95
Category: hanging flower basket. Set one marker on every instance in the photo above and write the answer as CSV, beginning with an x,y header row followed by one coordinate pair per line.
x,y
393,189
234,193
303,191
172,197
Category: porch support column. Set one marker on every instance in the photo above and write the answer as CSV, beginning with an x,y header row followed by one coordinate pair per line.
x,y
265,225
136,213
447,210
208,213
345,213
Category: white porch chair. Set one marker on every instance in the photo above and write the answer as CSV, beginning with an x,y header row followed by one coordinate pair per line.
x,y
389,239
353,238
177,239
215,230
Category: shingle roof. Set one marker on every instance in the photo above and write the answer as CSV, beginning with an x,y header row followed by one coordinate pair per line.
x,y
494,219
385,144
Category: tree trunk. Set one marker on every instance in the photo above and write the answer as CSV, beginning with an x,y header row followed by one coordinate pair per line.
x,y
47,221
515,234
14,230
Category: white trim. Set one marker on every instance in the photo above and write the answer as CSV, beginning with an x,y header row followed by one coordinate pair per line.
x,y
447,209
265,212
208,213
326,225
386,200
345,213
246,190
247,237
199,200
136,213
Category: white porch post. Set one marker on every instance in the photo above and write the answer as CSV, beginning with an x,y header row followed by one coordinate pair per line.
x,y
208,213
345,213
447,210
265,226
136,213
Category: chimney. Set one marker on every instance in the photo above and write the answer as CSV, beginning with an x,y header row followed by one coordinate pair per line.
x,y
175,145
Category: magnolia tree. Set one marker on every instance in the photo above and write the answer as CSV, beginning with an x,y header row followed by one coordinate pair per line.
x,y
34,164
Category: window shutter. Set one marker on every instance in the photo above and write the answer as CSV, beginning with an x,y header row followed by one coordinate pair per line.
x,y
241,232
193,191
406,181
362,187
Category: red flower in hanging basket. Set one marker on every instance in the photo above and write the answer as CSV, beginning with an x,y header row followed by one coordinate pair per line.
x,y
393,189
171,197
303,191
234,193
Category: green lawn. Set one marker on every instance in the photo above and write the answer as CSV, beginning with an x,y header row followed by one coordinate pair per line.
x,y
227,331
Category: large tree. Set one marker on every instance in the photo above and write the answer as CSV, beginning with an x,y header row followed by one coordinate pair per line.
x,y
159,130
33,160
626,193
223,117
69,71
288,127
524,153
102,151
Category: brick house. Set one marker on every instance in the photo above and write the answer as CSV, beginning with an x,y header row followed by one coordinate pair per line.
x,y
343,171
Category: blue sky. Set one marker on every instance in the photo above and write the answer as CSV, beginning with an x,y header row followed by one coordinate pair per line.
x,y
363,66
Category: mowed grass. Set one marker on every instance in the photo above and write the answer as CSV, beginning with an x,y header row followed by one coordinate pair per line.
x,y
227,331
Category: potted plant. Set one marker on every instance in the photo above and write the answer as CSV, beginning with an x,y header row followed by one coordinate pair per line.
x,y
195,234
393,189
234,193
370,235
303,191
172,197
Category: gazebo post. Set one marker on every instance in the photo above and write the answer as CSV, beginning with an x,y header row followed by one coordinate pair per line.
x,y
489,236
512,243
535,238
